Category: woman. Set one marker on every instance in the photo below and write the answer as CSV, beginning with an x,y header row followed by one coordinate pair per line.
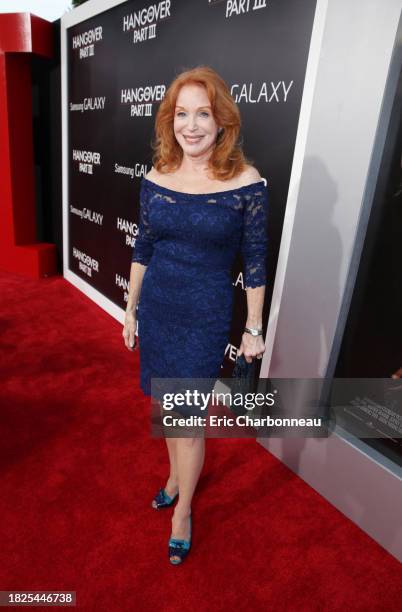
x,y
199,205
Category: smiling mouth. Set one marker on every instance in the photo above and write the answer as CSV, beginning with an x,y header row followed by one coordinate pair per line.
x,y
192,138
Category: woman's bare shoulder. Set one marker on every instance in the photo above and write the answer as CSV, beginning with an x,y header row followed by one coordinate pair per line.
x,y
152,174
249,175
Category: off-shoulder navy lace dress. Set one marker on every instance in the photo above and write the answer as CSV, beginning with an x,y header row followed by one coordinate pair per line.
x,y
188,243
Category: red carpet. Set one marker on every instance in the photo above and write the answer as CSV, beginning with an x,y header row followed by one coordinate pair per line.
x,y
79,469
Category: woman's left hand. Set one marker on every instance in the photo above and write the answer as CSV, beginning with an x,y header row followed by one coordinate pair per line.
x,y
251,346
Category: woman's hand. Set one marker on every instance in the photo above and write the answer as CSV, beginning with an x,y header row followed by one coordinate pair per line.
x,y
130,339
251,346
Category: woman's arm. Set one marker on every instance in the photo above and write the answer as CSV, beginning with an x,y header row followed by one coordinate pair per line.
x,y
141,256
254,253
255,304
253,346
137,272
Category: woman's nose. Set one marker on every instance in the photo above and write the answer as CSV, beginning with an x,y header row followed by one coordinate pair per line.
x,y
192,123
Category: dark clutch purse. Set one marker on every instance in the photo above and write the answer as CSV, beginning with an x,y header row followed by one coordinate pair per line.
x,y
243,381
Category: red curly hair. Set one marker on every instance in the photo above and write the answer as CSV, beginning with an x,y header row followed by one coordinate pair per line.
x,y
227,159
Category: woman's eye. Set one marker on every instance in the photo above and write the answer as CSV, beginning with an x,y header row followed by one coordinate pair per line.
x,y
180,113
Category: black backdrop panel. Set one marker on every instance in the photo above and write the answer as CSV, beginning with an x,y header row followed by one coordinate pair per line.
x,y
118,72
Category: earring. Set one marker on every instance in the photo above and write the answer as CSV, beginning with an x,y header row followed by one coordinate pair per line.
x,y
220,130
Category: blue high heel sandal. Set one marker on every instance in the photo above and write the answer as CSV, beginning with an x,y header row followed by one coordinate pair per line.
x,y
179,548
163,500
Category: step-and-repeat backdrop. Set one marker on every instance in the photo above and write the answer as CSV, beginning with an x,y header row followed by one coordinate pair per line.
x,y
118,62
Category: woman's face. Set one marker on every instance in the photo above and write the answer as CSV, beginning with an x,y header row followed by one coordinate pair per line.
x,y
194,125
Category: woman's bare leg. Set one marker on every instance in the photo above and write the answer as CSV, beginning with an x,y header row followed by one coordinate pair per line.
x,y
190,454
172,483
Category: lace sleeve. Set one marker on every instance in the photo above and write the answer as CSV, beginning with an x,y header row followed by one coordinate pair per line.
x,y
143,248
254,240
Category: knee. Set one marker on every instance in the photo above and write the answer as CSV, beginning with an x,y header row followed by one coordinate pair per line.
x,y
190,442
